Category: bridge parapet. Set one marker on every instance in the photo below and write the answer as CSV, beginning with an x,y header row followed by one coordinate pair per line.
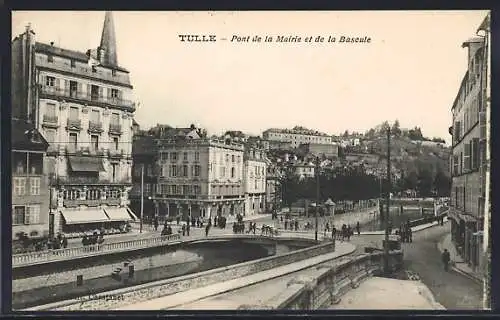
x,y
149,291
327,285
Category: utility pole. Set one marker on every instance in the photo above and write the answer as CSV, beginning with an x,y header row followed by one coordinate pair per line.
x,y
388,199
317,200
142,198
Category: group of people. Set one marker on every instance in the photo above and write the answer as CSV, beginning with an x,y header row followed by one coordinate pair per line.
x,y
95,238
290,224
405,233
345,233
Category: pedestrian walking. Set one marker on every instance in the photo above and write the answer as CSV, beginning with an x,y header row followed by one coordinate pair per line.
x,y
286,224
178,220
349,233
334,232
296,225
358,228
156,223
207,229
183,230
446,259
215,221
409,235
281,218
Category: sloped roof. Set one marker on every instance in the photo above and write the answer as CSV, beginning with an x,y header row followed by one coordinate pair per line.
x,y
26,137
144,145
70,54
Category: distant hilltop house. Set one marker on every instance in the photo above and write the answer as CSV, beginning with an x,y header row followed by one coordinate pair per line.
x,y
429,143
293,138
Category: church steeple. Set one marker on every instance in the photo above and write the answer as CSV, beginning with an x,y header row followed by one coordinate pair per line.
x,y
107,49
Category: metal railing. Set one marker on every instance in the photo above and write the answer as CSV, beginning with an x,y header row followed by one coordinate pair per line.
x,y
91,203
67,93
25,259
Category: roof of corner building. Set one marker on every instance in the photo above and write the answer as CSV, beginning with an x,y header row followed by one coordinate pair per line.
x,y
71,54
20,137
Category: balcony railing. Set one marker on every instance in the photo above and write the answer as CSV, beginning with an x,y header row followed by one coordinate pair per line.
x,y
95,126
75,124
115,153
91,203
92,180
115,129
86,97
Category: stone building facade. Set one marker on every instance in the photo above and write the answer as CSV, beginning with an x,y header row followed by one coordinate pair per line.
x,y
84,110
467,156
199,177
254,177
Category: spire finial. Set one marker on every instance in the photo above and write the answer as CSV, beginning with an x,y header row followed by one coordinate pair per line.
x,y
108,42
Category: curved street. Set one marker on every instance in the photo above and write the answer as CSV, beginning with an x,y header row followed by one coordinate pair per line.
x,y
422,256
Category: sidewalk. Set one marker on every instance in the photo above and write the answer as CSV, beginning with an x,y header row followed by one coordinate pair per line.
x,y
457,263
190,296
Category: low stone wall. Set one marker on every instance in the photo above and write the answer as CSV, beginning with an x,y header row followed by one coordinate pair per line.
x,y
328,284
117,298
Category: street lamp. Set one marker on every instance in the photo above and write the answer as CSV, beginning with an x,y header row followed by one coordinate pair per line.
x,y
388,199
317,201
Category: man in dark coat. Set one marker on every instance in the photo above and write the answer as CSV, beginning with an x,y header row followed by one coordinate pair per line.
x,y
446,259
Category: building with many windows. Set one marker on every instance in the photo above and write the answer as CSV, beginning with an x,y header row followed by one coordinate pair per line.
x,y
30,193
468,131
280,138
254,177
83,107
196,176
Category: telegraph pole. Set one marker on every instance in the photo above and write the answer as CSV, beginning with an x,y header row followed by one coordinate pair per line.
x,y
317,200
388,199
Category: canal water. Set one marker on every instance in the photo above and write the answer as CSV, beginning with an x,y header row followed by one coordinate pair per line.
x,y
50,286
395,216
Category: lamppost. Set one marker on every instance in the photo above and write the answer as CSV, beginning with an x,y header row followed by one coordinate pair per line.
x,y
387,199
317,201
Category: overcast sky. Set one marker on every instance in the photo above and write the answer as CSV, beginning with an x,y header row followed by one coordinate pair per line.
x,y
411,69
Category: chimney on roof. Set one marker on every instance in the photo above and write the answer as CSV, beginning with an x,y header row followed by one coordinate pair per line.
x,y
52,43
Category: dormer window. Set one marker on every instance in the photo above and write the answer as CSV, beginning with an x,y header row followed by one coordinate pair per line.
x,y
113,73
73,63
50,58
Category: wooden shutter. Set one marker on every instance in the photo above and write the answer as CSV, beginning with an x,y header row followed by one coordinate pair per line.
x,y
89,90
66,86
43,80
100,90
79,88
57,83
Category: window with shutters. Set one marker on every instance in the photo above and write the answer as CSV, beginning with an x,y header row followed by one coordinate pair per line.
x,y
50,81
94,92
196,156
185,170
475,153
461,169
467,160
50,58
196,170
19,186
95,116
456,134
173,156
32,215
73,63
115,94
35,186
73,113
173,170
185,156
18,215
50,110
73,88
197,189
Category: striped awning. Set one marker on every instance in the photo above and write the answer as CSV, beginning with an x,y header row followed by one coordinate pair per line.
x,y
86,164
118,214
84,216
